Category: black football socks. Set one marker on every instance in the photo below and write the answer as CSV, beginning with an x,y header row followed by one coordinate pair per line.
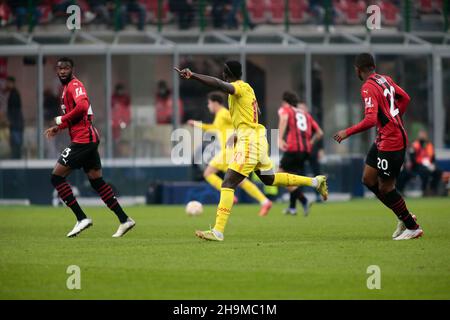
x,y
295,195
66,195
109,198
397,204
394,201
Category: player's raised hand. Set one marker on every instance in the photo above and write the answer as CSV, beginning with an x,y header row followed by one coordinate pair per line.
x,y
340,136
185,73
51,132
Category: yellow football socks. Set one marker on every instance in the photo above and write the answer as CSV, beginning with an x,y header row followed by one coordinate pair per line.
x,y
224,208
214,180
253,191
291,180
249,187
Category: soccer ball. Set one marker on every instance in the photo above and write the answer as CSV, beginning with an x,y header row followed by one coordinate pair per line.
x,y
194,208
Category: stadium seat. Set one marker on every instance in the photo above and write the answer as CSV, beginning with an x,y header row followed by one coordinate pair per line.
x,y
152,10
430,6
298,11
390,13
276,10
257,10
351,11
425,6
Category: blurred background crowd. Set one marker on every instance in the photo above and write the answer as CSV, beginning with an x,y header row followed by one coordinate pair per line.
x,y
219,14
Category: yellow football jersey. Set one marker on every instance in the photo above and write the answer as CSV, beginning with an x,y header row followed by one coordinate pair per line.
x,y
243,107
221,125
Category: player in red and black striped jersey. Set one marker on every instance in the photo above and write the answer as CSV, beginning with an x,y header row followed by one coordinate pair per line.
x,y
385,103
77,113
77,117
298,131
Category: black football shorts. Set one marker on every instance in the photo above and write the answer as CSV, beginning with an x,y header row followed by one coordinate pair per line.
x,y
293,162
388,163
81,155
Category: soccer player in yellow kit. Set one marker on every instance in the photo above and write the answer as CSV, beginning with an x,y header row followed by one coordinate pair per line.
x,y
223,128
251,147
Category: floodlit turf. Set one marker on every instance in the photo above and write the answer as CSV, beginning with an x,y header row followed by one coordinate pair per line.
x,y
324,256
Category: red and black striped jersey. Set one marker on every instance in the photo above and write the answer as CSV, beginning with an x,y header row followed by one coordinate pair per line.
x,y
385,103
300,128
77,113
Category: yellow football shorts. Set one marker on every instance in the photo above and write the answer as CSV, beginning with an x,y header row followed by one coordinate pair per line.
x,y
221,160
251,153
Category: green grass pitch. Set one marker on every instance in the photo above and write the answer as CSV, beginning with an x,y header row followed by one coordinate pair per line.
x,y
324,256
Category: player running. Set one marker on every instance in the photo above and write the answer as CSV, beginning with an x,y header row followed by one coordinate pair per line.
x,y
223,128
251,147
298,131
385,103
82,152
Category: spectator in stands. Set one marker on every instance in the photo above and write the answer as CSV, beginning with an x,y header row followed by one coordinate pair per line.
x,y
423,164
132,7
218,11
164,104
21,9
59,7
232,22
5,13
121,110
100,9
15,118
184,10
318,11
51,107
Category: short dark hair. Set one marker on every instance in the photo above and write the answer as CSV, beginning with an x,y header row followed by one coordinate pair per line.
x,y
216,97
66,59
365,62
11,78
290,98
233,68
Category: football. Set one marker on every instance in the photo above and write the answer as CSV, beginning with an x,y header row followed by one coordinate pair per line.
x,y
194,208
